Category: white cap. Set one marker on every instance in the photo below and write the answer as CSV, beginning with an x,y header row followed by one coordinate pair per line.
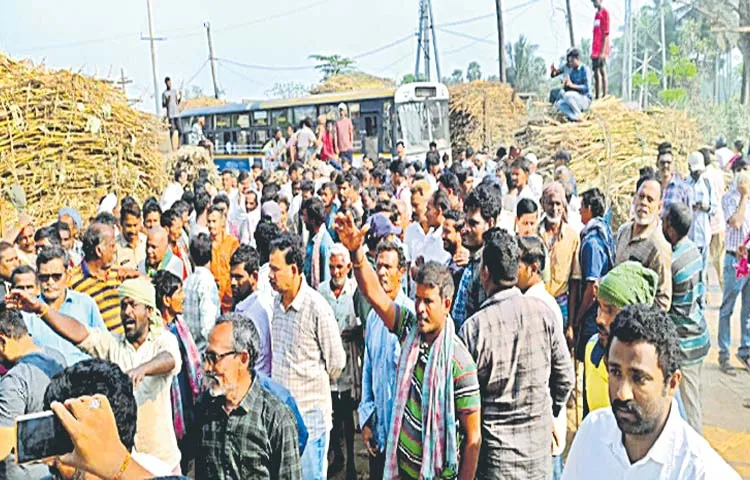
x,y
342,106
532,158
696,162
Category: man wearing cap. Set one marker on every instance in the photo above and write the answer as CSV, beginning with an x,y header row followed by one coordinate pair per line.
x,y
704,207
536,182
577,82
151,358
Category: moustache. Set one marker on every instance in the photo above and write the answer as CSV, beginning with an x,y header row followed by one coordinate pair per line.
x,y
628,406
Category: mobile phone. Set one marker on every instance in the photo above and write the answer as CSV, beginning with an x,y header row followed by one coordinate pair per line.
x,y
39,436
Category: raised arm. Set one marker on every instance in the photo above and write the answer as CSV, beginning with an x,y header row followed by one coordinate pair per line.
x,y
66,327
367,280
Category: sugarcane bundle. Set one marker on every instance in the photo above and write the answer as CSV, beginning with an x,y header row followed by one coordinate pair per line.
x,y
68,139
351,81
484,114
200,102
192,159
610,145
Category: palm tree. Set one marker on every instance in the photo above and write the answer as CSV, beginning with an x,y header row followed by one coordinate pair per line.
x,y
525,68
332,65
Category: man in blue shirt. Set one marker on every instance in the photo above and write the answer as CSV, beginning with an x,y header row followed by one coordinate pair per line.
x,y
52,278
577,96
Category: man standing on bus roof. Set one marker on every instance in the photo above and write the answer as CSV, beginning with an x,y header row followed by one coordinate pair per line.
x,y
344,134
169,100
600,48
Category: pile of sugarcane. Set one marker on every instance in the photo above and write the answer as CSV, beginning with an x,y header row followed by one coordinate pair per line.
x,y
610,145
484,114
200,102
192,159
351,81
68,139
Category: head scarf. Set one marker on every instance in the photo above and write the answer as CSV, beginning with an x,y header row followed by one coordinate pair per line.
x,y
72,213
557,187
629,283
143,291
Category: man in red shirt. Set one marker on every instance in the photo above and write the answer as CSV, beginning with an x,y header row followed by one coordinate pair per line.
x,y
600,48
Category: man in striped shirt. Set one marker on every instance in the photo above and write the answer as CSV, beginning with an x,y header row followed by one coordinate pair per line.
x,y
687,308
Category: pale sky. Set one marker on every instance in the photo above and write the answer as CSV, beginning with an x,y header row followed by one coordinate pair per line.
x,y
100,37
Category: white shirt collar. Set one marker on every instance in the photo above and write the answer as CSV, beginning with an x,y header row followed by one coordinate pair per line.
x,y
662,451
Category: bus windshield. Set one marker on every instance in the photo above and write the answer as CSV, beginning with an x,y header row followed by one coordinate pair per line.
x,y
421,122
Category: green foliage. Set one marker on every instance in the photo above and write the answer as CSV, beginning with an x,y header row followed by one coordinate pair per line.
x,y
331,65
525,68
673,95
410,78
651,79
473,72
456,77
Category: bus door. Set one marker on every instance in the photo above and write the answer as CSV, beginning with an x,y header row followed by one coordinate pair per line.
x,y
370,124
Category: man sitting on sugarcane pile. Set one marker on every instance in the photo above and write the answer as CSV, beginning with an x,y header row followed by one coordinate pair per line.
x,y
575,96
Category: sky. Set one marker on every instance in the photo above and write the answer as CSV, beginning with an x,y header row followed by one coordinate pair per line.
x,y
99,37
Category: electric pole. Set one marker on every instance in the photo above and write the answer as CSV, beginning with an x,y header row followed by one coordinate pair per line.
x,y
157,103
663,46
500,39
419,40
426,41
434,42
570,24
625,91
123,81
212,59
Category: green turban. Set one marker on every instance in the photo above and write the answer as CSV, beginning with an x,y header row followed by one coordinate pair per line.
x,y
629,283
142,291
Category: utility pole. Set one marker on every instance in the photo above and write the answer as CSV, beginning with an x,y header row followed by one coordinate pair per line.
x,y
419,40
157,103
500,40
434,42
426,41
570,24
212,59
663,47
625,91
644,69
123,81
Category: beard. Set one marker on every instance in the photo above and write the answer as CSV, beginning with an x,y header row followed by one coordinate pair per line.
x,y
645,220
554,220
338,282
640,424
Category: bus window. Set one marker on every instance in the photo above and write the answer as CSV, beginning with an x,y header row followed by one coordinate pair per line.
x,y
354,115
260,137
243,141
223,121
387,129
281,118
241,121
300,113
329,111
439,121
260,118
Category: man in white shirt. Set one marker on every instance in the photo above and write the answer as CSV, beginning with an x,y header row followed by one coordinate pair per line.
x,y
536,182
723,154
718,223
642,436
704,207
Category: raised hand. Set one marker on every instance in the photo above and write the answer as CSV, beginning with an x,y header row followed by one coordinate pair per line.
x,y
349,235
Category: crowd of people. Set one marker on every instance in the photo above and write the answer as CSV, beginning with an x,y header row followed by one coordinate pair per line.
x,y
444,309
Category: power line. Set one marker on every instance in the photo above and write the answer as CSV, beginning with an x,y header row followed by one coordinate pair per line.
x,y
200,69
384,47
267,67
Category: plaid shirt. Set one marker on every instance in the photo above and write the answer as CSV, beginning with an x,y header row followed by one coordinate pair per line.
x,y
257,440
525,374
735,236
676,191
201,305
307,355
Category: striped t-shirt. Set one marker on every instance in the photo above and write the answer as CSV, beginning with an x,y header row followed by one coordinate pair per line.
x,y
104,293
687,310
466,397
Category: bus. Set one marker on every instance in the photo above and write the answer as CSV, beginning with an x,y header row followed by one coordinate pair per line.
x,y
416,114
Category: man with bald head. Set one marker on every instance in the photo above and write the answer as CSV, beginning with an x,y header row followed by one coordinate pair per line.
x,y
159,256
642,240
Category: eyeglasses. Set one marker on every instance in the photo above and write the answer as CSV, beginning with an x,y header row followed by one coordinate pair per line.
x,y
45,277
210,358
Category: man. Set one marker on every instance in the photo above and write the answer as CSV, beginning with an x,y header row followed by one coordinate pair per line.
x,y
536,182
46,237
600,48
229,185
242,430
170,99
23,238
344,135
196,136
642,436
448,182
251,219
151,359
68,243
715,178
223,246
577,96
597,257
400,183
177,240
704,207
303,141
152,213
452,243
524,383
674,189
96,277
274,150
400,151
307,348
159,256
339,293
527,218
244,267
432,164
173,192
520,171
327,194
434,367
737,213
8,262
686,312
72,218
22,388
723,154
348,187
382,351
643,241
481,209
52,279
563,245
317,251
202,304
531,264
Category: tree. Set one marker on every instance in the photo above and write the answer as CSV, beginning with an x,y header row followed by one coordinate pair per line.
x,y
331,65
473,72
525,68
410,78
288,90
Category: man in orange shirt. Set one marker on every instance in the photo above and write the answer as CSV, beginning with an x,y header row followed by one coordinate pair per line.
x,y
223,246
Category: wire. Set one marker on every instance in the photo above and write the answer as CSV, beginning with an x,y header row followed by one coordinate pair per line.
x,y
470,37
384,47
200,69
239,74
267,67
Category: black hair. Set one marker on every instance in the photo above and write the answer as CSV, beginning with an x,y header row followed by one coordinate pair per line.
x,y
594,199
679,217
739,164
61,227
178,171
264,235
522,163
12,324
330,186
169,217
221,198
487,199
202,200
216,209
269,193
167,79
200,249
500,256
501,152
49,233
129,206
449,181
316,211
531,251
92,238
739,145
400,142
391,246
398,166
166,284
440,200
247,256
563,155
434,275
307,186
663,149
149,206
706,152
646,176
461,173
647,323
94,376
378,174
181,207
47,254
21,270
352,179
106,218
457,216
292,246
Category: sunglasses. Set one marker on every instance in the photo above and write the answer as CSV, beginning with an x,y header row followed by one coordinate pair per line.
x,y
45,277
210,358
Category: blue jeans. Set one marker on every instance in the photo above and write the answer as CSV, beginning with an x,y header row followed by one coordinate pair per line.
x,y
573,104
733,287
315,458
557,467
